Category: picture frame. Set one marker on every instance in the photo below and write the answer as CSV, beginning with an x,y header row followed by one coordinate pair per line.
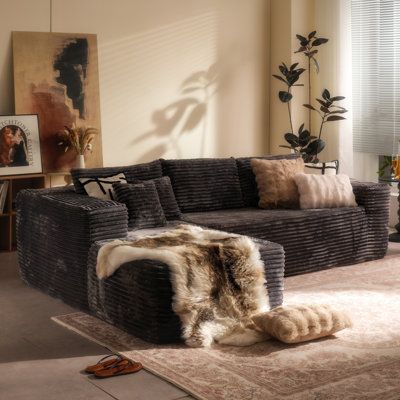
x,y
20,145
56,76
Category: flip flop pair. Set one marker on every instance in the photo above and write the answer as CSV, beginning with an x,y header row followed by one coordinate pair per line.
x,y
113,365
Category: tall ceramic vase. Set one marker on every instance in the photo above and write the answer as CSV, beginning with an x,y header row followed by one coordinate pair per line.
x,y
80,161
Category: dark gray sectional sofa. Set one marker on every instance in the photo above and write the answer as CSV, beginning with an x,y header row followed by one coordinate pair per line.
x,y
60,230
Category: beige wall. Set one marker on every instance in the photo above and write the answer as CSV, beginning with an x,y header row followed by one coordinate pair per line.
x,y
288,17
157,61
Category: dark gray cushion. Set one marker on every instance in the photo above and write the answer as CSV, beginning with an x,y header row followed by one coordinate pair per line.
x,y
167,197
144,207
204,184
247,179
149,170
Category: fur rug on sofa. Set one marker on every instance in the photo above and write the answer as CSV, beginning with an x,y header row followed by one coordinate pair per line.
x,y
217,278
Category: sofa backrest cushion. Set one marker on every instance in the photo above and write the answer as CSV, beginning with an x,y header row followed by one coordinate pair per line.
x,y
204,184
247,178
145,171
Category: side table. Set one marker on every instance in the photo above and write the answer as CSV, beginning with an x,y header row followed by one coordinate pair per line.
x,y
395,236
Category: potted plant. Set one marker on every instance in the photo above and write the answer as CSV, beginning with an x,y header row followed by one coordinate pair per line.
x,y
79,139
302,141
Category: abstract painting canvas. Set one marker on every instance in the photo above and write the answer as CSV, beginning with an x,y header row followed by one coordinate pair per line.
x,y
56,76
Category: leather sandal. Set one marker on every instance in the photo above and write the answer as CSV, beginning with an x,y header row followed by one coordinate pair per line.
x,y
91,369
122,367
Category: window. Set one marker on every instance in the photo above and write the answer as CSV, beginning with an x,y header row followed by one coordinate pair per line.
x,y
376,76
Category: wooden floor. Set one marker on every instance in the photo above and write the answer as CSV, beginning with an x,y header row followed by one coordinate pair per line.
x,y
42,360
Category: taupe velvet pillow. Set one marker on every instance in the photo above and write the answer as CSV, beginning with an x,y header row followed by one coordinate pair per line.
x,y
275,182
300,323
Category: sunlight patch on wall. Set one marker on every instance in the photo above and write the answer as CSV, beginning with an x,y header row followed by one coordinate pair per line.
x,y
157,92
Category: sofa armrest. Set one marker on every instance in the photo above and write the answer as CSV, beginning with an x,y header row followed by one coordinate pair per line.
x,y
62,210
375,197
55,229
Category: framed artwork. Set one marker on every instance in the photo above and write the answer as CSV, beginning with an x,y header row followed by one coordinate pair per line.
x,y
19,145
56,77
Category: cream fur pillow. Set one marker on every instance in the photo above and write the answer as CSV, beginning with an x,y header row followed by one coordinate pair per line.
x,y
295,324
325,191
275,182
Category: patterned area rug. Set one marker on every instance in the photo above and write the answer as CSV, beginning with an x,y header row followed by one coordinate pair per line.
x,y
358,363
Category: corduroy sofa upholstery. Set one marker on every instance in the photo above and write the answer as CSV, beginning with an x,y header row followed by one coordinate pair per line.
x,y
59,232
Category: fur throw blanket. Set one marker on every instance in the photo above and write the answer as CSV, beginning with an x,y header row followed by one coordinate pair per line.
x,y
217,279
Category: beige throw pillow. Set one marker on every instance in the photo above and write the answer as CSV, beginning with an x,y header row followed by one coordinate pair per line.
x,y
325,191
295,324
275,182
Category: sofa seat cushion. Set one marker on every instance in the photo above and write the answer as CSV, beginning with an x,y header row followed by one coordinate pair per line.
x,y
204,184
313,239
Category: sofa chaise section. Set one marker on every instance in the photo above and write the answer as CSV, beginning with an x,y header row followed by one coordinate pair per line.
x,y
138,296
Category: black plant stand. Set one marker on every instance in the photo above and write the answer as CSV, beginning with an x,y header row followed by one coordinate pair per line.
x,y
395,236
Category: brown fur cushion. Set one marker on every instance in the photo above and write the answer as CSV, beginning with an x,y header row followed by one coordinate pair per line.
x,y
275,182
295,324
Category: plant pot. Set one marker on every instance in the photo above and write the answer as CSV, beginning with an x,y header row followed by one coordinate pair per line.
x,y
323,168
80,161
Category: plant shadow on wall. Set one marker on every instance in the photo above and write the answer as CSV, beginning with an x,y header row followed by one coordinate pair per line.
x,y
182,116
303,142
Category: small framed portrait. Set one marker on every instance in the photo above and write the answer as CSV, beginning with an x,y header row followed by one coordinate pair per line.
x,y
19,145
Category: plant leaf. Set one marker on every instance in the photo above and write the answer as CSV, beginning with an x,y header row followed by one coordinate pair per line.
x,y
286,146
301,49
324,109
335,118
293,66
323,103
279,77
301,128
338,111
292,139
309,106
303,41
312,34
319,41
326,95
304,138
284,96
315,147
338,98
302,38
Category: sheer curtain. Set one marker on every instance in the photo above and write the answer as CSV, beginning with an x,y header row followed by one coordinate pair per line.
x,y
333,21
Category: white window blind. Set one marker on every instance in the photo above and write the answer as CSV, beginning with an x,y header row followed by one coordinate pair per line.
x,y
376,76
